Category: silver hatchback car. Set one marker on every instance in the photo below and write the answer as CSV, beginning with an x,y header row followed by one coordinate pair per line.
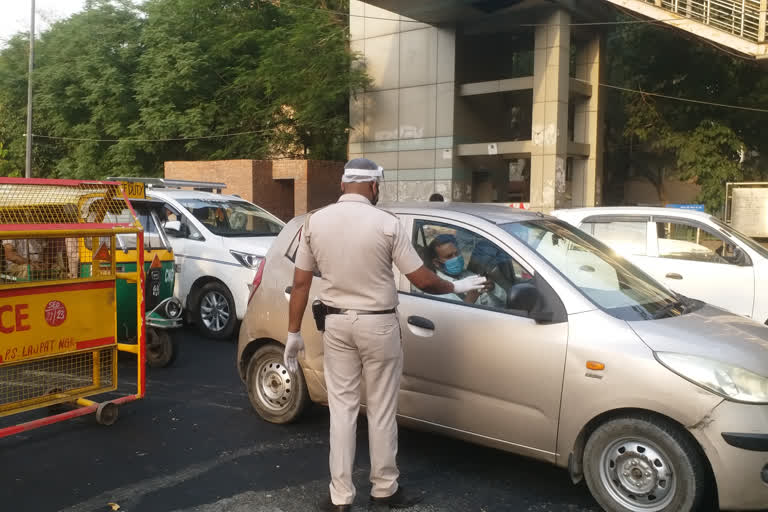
x,y
575,357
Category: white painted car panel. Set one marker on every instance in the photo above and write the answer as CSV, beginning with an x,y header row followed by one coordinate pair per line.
x,y
739,289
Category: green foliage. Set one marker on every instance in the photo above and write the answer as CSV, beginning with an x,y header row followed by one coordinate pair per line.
x,y
177,69
658,137
13,105
3,158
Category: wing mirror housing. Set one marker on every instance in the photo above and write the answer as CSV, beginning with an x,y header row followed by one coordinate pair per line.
x,y
740,257
526,297
173,228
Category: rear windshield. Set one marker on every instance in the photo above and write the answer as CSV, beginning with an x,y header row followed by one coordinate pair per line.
x,y
233,218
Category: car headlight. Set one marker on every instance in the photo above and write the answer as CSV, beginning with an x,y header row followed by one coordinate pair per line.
x,y
247,260
730,382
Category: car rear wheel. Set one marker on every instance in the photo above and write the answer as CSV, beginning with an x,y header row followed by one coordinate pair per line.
x,y
277,395
645,464
216,316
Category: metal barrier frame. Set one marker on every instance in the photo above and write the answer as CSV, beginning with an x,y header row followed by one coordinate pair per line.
x,y
106,411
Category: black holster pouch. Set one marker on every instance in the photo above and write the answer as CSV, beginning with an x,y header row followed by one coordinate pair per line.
x,y
319,311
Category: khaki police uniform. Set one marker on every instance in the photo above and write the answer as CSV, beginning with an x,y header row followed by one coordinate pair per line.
x,y
354,244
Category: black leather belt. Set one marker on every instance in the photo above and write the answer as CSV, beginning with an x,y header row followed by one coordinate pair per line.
x,y
337,311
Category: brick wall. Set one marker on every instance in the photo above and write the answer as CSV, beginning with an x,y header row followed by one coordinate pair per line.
x,y
275,196
237,174
324,183
285,188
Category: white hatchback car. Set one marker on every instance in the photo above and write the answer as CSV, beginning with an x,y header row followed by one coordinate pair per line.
x,y
693,253
219,242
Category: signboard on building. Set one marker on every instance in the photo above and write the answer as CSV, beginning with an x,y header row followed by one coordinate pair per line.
x,y
749,211
697,207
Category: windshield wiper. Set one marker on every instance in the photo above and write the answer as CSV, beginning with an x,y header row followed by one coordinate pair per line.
x,y
664,311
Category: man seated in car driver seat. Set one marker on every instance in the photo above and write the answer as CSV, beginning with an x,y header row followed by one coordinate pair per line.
x,y
445,259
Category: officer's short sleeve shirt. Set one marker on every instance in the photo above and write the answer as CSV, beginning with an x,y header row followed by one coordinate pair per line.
x,y
354,246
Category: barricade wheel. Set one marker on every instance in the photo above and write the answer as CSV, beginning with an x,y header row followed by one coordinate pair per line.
x,y
107,413
161,348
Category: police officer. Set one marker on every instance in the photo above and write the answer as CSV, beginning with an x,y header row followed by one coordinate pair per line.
x,y
354,244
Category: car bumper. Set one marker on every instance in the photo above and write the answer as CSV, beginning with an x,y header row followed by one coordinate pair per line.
x,y
735,439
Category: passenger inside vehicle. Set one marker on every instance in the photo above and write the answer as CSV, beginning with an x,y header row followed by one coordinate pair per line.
x,y
446,248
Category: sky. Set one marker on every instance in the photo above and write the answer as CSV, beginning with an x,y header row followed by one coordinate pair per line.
x,y
15,15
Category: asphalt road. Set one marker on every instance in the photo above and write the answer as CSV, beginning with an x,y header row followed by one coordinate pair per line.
x,y
194,444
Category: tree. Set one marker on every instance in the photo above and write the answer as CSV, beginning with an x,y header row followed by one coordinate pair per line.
x,y
190,70
83,89
659,137
13,105
231,66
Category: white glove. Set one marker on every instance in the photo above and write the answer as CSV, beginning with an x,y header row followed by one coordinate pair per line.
x,y
293,346
469,283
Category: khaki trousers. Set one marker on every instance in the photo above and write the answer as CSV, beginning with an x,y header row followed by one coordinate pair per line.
x,y
357,348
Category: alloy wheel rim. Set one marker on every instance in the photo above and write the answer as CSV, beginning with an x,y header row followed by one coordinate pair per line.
x,y
214,311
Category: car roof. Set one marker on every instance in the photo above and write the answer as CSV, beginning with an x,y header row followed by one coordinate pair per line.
x,y
193,194
632,210
496,214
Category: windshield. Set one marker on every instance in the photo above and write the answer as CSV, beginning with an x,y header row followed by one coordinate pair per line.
x,y
233,218
608,280
746,240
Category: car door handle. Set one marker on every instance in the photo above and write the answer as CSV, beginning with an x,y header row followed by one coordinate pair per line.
x,y
418,321
673,275
288,289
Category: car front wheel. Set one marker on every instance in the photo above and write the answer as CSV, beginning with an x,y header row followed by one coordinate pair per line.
x,y
216,316
276,394
645,464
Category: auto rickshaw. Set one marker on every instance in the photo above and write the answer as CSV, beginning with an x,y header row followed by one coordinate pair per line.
x,y
163,310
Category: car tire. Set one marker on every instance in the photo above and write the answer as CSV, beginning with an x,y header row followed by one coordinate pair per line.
x,y
215,311
277,395
643,463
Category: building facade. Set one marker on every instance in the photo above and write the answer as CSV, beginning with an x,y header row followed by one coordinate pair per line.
x,y
479,105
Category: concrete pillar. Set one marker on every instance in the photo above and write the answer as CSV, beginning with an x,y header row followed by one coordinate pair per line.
x,y
588,127
404,121
550,111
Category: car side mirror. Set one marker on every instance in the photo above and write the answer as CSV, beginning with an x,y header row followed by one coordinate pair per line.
x,y
525,297
173,229
737,255
740,258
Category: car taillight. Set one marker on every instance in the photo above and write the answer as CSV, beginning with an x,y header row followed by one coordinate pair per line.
x,y
257,279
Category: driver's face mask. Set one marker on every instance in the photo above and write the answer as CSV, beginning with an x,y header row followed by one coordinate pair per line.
x,y
454,266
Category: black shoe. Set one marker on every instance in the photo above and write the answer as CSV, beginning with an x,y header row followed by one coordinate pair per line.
x,y
401,499
326,505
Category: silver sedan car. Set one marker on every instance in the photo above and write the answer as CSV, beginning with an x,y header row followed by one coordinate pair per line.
x,y
574,356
